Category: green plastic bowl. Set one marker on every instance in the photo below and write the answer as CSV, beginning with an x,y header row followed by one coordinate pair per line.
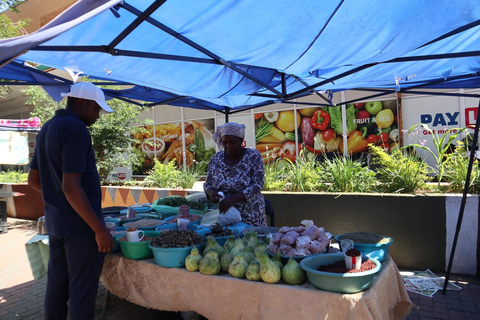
x,y
137,250
337,282
172,257
371,250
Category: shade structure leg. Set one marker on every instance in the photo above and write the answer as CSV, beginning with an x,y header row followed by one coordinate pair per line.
x,y
464,200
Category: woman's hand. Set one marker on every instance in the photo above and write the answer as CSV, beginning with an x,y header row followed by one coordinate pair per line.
x,y
228,202
213,196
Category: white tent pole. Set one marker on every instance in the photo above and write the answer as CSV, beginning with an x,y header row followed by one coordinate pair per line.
x,y
344,124
183,139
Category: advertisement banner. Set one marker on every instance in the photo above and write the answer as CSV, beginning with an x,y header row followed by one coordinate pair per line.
x,y
439,113
319,130
14,147
164,142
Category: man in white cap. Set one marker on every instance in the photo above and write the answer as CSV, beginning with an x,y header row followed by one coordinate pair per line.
x,y
63,169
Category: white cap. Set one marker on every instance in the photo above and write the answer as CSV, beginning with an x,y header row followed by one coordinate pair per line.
x,y
88,91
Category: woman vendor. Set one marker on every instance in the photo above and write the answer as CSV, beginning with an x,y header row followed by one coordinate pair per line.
x,y
237,172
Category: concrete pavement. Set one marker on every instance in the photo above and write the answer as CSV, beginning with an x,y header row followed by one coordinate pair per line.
x,y
22,298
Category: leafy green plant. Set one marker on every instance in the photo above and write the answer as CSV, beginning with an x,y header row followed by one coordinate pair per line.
x,y
302,176
442,145
275,176
343,174
399,172
168,176
12,176
456,168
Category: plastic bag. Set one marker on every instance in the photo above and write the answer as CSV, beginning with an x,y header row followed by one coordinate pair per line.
x,y
231,216
210,217
182,224
346,244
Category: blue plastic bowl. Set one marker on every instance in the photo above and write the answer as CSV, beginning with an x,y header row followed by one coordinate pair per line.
x,y
115,241
159,223
337,282
172,257
373,251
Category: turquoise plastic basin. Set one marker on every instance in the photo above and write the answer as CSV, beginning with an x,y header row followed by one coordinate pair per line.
x,y
337,282
172,257
137,250
372,251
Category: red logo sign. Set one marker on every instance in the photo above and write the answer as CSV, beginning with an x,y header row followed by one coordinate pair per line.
x,y
122,175
471,117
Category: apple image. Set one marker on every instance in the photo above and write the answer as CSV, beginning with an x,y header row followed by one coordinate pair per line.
x,y
373,107
358,105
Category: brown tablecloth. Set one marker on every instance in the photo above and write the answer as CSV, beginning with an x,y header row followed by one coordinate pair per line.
x,y
145,283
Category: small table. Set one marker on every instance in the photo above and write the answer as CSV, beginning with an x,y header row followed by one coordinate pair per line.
x,y
3,207
145,283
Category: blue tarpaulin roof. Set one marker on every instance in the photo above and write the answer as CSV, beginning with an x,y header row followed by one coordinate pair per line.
x,y
240,54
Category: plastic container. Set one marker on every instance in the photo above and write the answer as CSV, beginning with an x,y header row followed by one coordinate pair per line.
x,y
172,257
137,250
337,282
373,251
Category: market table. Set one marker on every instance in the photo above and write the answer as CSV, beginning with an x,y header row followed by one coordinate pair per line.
x,y
145,283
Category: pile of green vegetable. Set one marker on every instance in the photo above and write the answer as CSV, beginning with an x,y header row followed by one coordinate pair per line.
x,y
177,201
245,258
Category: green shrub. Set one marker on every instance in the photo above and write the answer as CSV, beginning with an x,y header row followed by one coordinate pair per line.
x,y
343,174
275,176
168,176
12,176
399,173
455,173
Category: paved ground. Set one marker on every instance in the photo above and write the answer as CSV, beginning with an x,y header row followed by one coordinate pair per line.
x,y
22,298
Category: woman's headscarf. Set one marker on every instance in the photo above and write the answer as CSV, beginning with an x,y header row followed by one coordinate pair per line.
x,y
228,129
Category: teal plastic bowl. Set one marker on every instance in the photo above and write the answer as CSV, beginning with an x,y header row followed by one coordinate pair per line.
x,y
172,257
337,282
137,250
373,251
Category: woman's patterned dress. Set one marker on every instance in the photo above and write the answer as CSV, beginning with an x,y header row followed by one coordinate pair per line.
x,y
246,176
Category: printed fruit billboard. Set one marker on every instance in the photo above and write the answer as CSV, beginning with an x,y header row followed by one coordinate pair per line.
x,y
281,136
164,142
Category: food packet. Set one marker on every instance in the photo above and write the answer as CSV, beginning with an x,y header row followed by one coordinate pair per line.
x,y
182,224
289,238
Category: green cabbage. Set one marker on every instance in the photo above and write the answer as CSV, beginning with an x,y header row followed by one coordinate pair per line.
x,y
336,118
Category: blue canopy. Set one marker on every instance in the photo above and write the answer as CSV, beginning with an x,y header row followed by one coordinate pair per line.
x,y
232,55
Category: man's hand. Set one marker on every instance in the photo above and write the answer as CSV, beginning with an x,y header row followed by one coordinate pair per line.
x,y
104,241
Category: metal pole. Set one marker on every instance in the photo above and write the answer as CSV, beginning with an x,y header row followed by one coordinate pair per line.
x,y
464,200
227,112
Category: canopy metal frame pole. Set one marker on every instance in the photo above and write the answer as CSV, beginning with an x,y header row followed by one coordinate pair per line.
x,y
464,200
227,113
